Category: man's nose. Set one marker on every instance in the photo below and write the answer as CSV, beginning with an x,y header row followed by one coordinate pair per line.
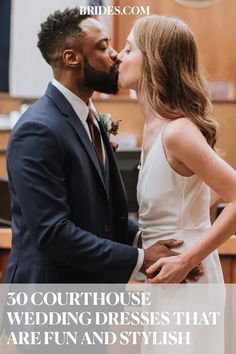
x,y
113,54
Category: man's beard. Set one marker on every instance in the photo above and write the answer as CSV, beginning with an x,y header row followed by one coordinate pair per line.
x,y
101,81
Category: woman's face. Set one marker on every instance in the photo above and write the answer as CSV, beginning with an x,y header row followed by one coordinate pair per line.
x,y
130,64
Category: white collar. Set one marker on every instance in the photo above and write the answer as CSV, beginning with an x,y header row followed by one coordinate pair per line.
x,y
79,106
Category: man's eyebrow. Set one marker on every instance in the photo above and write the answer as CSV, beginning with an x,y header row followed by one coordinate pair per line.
x,y
128,42
105,39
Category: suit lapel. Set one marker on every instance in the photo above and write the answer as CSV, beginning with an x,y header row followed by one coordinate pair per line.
x,y
75,122
61,102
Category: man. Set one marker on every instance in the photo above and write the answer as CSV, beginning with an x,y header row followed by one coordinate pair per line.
x,y
70,218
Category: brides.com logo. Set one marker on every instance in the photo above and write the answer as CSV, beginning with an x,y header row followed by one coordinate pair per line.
x,y
114,10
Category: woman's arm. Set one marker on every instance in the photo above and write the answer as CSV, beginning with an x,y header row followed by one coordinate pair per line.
x,y
193,152
215,197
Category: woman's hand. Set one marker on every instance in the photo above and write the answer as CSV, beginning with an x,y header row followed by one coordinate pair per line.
x,y
170,270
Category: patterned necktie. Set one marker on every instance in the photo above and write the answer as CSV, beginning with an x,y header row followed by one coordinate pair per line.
x,y
95,136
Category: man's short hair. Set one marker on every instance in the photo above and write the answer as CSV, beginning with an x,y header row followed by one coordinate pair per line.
x,y
57,29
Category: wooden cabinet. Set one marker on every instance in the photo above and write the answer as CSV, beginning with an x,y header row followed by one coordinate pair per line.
x,y
5,247
228,260
4,135
3,170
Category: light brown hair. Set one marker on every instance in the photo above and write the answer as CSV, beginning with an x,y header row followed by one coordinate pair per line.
x,y
171,80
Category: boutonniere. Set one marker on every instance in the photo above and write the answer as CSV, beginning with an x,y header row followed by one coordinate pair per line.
x,y
110,126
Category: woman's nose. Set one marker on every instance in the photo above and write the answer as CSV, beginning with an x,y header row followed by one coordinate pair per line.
x,y
119,56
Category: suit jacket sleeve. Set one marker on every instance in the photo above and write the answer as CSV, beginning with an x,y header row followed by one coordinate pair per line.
x,y
132,229
35,163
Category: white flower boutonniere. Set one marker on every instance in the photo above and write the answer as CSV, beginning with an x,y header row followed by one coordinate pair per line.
x,y
110,126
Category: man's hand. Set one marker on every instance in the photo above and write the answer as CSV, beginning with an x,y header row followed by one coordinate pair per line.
x,y
163,249
195,273
159,250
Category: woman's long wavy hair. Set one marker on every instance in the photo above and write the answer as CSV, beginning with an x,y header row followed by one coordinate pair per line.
x,y
171,81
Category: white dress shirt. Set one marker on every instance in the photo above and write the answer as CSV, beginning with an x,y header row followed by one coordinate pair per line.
x,y
82,110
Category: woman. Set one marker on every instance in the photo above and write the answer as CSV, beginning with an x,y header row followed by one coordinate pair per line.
x,y
179,166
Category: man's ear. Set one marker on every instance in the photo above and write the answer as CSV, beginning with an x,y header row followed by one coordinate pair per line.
x,y
71,58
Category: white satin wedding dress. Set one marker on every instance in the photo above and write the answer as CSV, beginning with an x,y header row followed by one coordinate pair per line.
x,y
174,206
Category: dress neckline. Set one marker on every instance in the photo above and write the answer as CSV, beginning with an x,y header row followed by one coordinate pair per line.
x,y
143,163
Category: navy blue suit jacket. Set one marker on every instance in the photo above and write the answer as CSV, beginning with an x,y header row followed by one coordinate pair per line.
x,y
69,224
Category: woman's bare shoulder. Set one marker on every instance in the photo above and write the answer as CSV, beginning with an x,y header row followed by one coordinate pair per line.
x,y
181,131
